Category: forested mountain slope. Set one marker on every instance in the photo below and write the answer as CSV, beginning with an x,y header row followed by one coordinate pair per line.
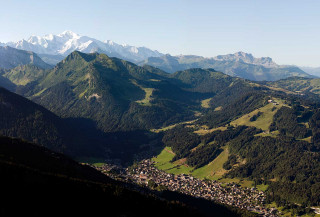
x,y
76,137
217,126
119,95
109,105
266,137
298,85
23,74
22,118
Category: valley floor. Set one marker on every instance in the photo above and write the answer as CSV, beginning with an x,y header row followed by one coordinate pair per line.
x,y
145,173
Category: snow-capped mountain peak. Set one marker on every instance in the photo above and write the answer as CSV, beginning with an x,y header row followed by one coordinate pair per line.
x,y
69,35
68,41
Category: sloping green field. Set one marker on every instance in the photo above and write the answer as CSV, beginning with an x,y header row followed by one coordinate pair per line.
x,y
163,163
147,98
263,121
205,103
213,170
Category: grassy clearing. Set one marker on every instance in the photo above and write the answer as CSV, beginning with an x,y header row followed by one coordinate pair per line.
x,y
98,164
229,180
205,103
272,134
246,183
147,98
156,80
180,169
204,130
214,170
262,187
163,163
280,89
263,121
82,94
243,183
164,158
308,139
197,114
40,92
22,81
171,126
163,128
219,108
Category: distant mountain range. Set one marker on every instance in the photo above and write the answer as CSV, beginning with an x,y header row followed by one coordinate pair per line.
x,y
54,48
63,44
311,70
11,58
240,64
247,58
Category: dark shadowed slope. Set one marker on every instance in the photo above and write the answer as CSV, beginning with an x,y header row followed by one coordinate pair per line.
x,y
36,181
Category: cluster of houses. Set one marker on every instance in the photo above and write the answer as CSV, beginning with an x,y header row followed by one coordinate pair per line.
x,y
273,102
230,194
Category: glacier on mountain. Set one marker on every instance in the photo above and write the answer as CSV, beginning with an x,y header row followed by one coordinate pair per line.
x,y
68,41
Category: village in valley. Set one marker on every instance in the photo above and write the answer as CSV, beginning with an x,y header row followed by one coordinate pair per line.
x,y
146,174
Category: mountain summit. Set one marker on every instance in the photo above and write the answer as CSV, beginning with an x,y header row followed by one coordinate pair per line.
x,y
247,58
65,43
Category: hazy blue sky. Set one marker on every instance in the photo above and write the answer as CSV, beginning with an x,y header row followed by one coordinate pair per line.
x,y
287,31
